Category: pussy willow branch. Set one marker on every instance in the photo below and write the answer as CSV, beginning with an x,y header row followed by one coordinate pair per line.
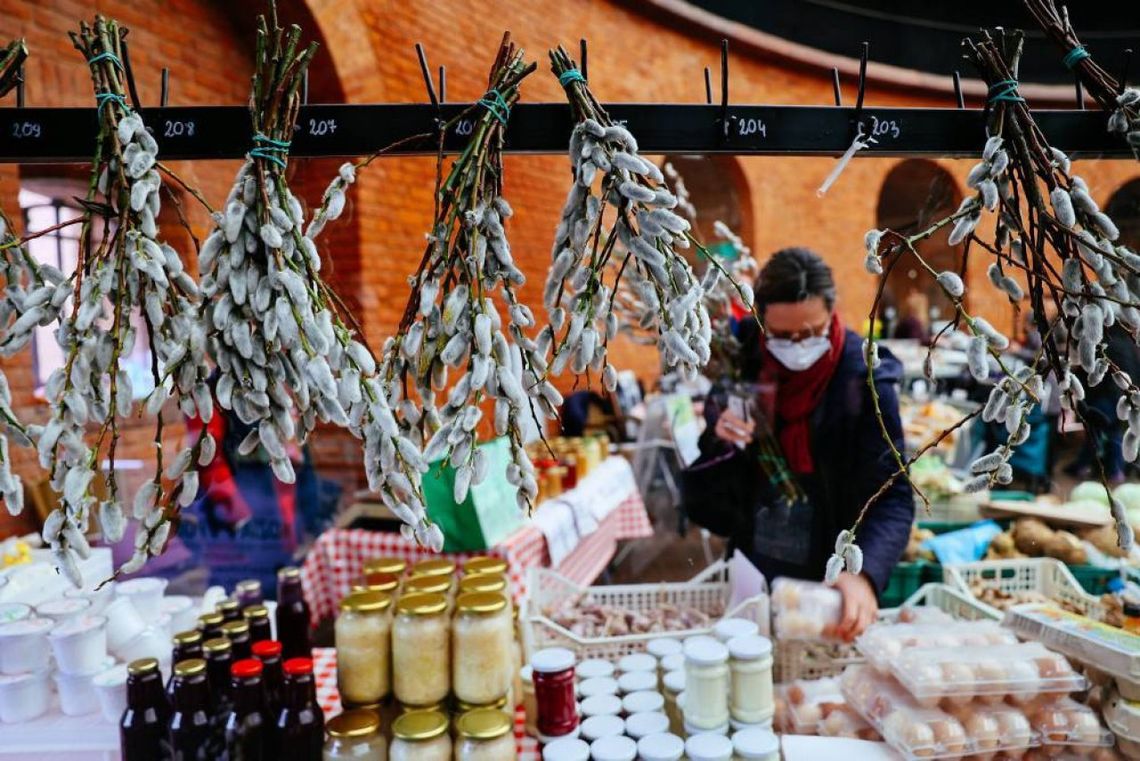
x,y
11,65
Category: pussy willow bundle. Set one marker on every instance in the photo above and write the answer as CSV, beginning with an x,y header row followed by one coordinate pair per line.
x,y
1049,245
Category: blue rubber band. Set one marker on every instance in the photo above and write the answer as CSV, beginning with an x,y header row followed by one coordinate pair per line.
x,y
495,103
106,56
1005,90
277,144
570,75
1075,56
269,149
103,98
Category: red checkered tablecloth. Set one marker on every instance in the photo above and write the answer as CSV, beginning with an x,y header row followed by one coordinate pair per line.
x,y
324,670
338,555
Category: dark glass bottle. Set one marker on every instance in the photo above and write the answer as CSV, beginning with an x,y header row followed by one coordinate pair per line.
x,y
210,624
301,724
143,727
248,592
237,632
230,610
248,725
219,658
292,616
190,734
257,616
187,646
272,675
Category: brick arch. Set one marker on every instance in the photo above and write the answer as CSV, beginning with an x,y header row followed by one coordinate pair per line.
x,y
1124,208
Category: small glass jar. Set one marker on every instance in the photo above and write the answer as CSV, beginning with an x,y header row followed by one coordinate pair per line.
x,y
660,747
363,646
663,646
430,585
435,567
635,662
708,747
614,748
485,735
355,736
673,685
392,565
646,723
730,628
637,681
529,703
553,673
640,702
594,667
482,662
421,650
597,727
756,745
706,683
751,666
566,749
420,736
674,662
484,564
600,705
484,582
377,582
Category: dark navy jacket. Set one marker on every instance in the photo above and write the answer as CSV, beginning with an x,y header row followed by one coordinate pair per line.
x,y
732,497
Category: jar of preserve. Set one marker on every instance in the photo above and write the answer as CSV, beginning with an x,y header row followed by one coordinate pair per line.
x,y
706,684
756,745
485,735
375,581
394,566
482,661
434,567
673,685
485,564
237,632
421,650
363,647
750,663
420,736
462,707
483,582
553,673
429,585
257,616
355,736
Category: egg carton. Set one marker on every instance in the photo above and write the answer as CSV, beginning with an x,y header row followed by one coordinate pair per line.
x,y
804,610
1065,723
882,643
810,701
846,722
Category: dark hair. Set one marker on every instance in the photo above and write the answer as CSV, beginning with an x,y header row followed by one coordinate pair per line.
x,y
792,275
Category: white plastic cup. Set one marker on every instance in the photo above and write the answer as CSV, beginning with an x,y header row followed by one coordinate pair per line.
x,y
24,697
80,644
151,642
145,594
76,694
183,615
123,623
13,611
24,647
63,608
111,691
99,598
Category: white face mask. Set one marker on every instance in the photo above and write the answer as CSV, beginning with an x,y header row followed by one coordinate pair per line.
x,y
799,355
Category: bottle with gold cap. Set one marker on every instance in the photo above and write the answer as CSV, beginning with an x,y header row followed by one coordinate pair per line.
x,y
355,736
187,645
293,624
218,654
257,616
363,645
191,731
144,725
237,632
210,624
394,566
420,736
230,609
421,652
482,659
248,592
485,735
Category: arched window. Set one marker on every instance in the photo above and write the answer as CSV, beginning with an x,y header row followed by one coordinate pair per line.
x,y
1124,208
717,190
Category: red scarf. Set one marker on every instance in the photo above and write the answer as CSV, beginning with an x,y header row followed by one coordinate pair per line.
x,y
798,394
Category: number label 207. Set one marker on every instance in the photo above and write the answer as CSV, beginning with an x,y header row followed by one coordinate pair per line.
x,y
322,127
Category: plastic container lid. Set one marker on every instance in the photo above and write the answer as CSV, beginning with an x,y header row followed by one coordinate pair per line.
x,y
64,607
141,586
567,749
644,723
297,666
111,677
614,748
644,700
597,727
14,611
708,746
661,747
705,651
552,660
674,681
599,685
246,668
749,647
637,662
592,667
637,681
26,626
673,662
755,743
74,627
601,705
729,628
663,646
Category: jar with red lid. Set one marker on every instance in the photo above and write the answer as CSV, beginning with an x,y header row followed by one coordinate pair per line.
x,y
553,674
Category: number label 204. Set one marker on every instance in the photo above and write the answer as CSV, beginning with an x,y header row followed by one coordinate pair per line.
x,y
740,126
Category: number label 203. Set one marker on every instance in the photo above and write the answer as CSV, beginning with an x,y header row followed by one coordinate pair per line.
x,y
885,127
26,130
177,128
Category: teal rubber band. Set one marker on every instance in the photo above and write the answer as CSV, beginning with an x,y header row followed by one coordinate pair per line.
x,y
106,56
495,103
1075,56
1005,90
282,145
103,98
570,75
268,149
261,154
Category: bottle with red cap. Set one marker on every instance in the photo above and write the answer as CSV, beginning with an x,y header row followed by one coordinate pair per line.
x,y
300,734
272,674
292,616
247,726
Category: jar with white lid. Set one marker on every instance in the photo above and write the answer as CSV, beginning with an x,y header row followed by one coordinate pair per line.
x,y
597,727
614,748
355,736
708,747
363,646
644,723
673,685
485,735
660,747
644,700
600,705
637,662
420,736
482,662
729,628
706,684
756,745
566,749
637,681
672,662
421,650
599,685
662,647
592,668
751,666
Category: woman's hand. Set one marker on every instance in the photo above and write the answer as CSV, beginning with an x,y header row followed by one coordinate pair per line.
x,y
734,430
860,605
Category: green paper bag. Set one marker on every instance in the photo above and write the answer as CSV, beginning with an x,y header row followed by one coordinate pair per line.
x,y
488,515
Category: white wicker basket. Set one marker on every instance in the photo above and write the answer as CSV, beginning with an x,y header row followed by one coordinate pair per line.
x,y
960,605
709,592
1048,576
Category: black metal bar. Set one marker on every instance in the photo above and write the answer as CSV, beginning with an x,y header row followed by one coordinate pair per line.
x,y
837,89
958,95
1124,68
427,75
1080,94
442,84
62,135
20,92
708,86
862,78
164,91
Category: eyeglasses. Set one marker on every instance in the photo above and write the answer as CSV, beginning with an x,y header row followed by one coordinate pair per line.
x,y
811,331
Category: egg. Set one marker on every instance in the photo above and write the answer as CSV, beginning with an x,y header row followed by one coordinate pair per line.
x,y
809,715
1023,679
1014,728
959,683
907,615
950,735
891,647
795,694
990,679
916,736
1053,667
826,708
1052,723
1086,728
984,729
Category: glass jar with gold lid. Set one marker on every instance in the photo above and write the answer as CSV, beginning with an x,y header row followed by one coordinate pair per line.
x,y
394,566
377,581
363,636
355,735
482,656
428,585
420,736
484,582
485,735
434,567
485,564
421,652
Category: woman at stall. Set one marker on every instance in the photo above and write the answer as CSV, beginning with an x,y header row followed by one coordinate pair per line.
x,y
811,384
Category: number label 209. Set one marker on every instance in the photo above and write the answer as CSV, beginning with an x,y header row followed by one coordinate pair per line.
x,y
26,130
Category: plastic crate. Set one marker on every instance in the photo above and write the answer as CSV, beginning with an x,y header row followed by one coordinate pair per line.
x,y
960,605
1047,576
905,580
709,592
1094,579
